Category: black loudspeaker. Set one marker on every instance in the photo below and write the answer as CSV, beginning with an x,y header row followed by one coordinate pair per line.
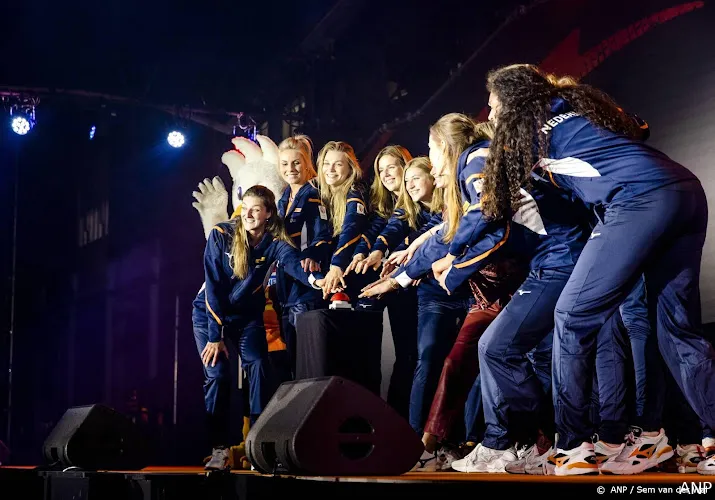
x,y
330,426
96,437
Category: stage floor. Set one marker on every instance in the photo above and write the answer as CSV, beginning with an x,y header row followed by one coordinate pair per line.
x,y
194,482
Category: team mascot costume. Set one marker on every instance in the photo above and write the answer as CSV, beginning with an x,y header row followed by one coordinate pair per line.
x,y
249,164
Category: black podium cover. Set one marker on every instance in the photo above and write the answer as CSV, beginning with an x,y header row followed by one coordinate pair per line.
x,y
341,343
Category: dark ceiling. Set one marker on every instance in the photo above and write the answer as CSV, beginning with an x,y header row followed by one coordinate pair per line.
x,y
233,54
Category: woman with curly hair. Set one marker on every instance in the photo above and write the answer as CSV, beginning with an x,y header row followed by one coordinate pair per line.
x,y
652,216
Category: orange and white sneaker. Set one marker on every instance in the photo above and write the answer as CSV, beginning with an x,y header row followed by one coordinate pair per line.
x,y
576,461
688,457
639,454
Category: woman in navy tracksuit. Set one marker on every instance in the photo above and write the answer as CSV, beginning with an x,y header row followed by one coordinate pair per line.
x,y
307,224
339,176
402,308
385,189
652,220
439,315
231,303
548,233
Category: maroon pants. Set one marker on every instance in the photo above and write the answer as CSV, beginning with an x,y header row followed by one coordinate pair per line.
x,y
459,372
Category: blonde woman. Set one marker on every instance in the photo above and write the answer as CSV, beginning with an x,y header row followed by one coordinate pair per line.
x,y
339,176
231,304
308,226
386,187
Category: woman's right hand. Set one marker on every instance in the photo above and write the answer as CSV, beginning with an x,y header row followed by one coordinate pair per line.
x,y
333,281
211,352
357,258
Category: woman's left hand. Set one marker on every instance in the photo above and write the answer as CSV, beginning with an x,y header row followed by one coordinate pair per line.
x,y
441,265
373,261
442,279
378,288
309,265
387,269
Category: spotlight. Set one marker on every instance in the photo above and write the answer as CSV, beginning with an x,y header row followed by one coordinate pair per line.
x,y
20,125
92,131
176,139
23,119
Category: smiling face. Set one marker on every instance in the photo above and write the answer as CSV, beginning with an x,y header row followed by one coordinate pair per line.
x,y
254,213
419,184
336,168
390,171
292,167
437,159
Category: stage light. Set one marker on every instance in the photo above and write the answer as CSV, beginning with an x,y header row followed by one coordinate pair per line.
x,y
176,139
23,119
92,131
20,125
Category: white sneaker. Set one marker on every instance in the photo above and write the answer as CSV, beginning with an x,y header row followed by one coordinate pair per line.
x,y
530,462
576,461
707,466
483,459
604,453
539,464
219,460
688,457
640,453
518,466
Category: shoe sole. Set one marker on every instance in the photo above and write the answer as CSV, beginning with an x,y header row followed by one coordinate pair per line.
x,y
499,471
577,472
638,470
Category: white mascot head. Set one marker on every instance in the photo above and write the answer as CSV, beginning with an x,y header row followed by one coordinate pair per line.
x,y
249,164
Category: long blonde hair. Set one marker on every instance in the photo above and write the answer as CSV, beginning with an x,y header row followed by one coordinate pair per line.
x,y
336,197
304,146
405,202
458,132
382,201
240,247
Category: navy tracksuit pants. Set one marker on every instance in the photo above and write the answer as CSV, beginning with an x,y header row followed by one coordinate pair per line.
x,y
661,235
624,342
512,391
438,323
249,337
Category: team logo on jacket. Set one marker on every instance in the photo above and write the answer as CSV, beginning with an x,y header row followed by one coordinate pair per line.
x,y
551,123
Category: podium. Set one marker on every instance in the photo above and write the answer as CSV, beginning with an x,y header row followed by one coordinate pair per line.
x,y
342,343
